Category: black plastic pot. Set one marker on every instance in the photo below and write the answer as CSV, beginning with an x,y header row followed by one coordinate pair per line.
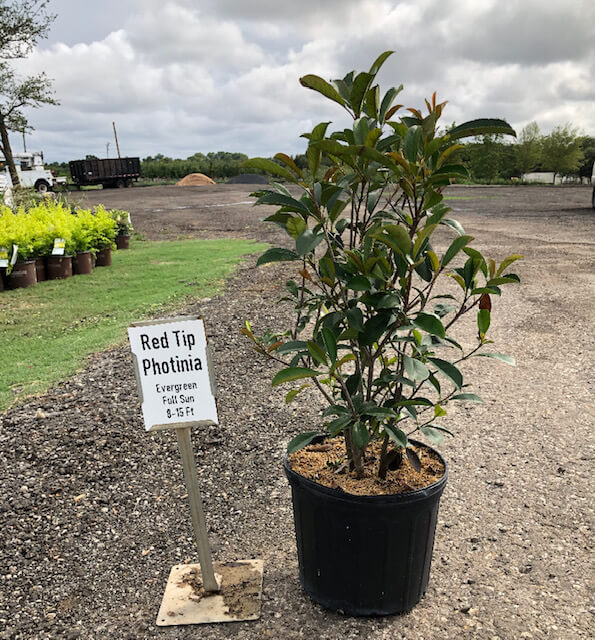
x,y
58,267
22,275
103,258
123,241
364,555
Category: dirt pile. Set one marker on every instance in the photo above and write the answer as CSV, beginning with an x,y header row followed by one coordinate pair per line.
x,y
194,180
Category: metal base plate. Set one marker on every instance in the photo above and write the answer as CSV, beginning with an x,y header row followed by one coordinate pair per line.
x,y
186,602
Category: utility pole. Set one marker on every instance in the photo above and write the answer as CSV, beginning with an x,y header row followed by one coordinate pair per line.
x,y
116,137
107,150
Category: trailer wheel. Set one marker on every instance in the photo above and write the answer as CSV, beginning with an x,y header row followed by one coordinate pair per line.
x,y
120,184
42,186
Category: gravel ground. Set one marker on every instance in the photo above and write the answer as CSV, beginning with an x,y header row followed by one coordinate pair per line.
x,y
93,510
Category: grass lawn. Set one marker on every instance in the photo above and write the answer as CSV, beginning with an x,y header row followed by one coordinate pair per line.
x,y
47,330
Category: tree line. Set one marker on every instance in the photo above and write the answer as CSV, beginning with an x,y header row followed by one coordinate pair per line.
x,y
563,152
488,159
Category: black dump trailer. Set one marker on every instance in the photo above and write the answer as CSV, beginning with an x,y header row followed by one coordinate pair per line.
x,y
110,172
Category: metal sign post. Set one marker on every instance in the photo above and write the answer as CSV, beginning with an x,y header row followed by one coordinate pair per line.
x,y
177,391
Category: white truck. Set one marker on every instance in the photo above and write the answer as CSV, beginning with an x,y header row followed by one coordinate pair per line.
x,y
31,172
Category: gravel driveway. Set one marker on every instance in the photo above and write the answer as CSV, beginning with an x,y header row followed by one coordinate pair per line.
x,y
93,510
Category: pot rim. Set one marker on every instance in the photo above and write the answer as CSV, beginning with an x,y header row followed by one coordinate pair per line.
x,y
391,498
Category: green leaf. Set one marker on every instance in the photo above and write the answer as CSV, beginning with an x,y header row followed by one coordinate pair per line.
x,y
271,197
359,283
414,401
426,232
308,241
415,369
483,321
317,353
335,410
355,319
412,143
295,227
453,224
293,373
414,460
449,370
469,397
293,345
400,235
439,411
293,393
270,167
433,434
316,83
511,277
507,262
479,127
396,435
330,343
276,255
430,323
380,60
455,247
301,441
283,157
497,356
387,101
338,424
361,84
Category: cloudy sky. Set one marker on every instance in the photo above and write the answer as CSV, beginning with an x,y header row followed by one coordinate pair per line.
x,y
181,76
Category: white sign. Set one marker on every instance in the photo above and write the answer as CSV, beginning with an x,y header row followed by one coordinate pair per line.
x,y
173,373
59,246
3,257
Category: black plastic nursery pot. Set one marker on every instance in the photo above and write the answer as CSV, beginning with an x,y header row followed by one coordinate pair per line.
x,y
104,257
122,241
58,267
364,555
40,269
82,263
22,275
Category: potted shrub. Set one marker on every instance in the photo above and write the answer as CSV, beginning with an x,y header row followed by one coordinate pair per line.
x,y
14,230
82,239
61,225
38,220
103,234
124,223
377,309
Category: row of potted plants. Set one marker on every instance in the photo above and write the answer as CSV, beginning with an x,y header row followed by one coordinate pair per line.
x,y
50,240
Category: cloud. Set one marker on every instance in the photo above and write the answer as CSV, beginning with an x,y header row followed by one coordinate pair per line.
x,y
180,76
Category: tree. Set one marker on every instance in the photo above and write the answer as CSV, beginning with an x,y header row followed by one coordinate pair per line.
x,y
22,24
588,147
528,148
561,151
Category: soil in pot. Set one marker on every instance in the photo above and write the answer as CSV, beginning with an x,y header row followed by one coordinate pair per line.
x,y
365,554
40,269
103,257
22,274
58,267
82,263
123,241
